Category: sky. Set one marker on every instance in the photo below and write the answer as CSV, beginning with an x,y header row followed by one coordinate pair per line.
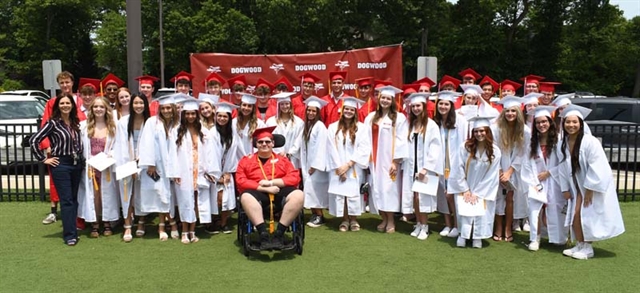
x,y
631,8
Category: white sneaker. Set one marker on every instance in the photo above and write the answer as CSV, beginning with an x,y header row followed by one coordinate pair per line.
x,y
445,231
51,218
516,226
461,242
454,233
423,233
416,230
571,251
534,246
366,208
585,253
525,226
477,243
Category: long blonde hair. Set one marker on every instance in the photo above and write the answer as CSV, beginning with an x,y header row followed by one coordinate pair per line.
x,y
511,135
108,117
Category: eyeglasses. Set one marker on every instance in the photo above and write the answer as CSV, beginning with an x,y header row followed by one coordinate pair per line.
x,y
111,89
263,142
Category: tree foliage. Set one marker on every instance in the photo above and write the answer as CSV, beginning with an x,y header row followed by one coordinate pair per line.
x,y
585,44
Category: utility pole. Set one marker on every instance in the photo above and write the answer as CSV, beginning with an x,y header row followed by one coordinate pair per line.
x,y
161,45
134,43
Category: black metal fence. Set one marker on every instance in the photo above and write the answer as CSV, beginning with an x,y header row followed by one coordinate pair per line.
x,y
24,179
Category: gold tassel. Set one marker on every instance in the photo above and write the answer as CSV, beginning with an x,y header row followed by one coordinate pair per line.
x,y
271,220
108,176
95,182
126,195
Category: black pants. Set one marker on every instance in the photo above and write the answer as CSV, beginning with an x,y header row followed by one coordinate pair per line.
x,y
66,178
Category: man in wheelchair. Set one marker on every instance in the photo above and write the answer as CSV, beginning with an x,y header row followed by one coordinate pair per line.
x,y
265,178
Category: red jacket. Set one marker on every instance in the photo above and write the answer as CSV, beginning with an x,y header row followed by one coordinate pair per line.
x,y
331,112
366,108
299,107
249,174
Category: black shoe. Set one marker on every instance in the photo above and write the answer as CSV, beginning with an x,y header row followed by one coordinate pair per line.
x,y
278,241
316,221
226,229
264,241
212,229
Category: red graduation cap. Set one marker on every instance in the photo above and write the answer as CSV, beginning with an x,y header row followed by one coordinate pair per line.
x,y
365,81
92,82
410,88
532,79
147,79
469,73
509,85
425,81
548,86
338,75
214,77
286,82
309,77
380,83
182,75
262,82
263,132
112,78
488,80
238,79
447,79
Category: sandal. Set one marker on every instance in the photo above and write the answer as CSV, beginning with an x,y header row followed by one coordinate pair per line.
x,y
174,233
381,227
185,238
508,238
95,233
497,238
194,238
162,234
344,226
140,232
107,229
354,226
127,233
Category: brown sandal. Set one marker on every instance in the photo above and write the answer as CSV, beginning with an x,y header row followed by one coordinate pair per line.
x,y
354,226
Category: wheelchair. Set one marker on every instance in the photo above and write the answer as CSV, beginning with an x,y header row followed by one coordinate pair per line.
x,y
248,236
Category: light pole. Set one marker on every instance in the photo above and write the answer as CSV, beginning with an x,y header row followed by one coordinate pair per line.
x,y
134,42
161,45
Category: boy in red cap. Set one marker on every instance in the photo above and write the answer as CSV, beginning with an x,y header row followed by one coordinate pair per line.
x,y
548,89
469,76
111,83
532,83
265,106
282,85
146,88
237,85
364,93
489,87
508,88
89,88
308,82
182,82
266,173
425,85
331,112
213,84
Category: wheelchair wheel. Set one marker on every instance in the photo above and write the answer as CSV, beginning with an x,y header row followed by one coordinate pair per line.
x,y
298,243
245,244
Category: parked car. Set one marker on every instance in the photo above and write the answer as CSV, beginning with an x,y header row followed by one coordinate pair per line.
x,y
18,121
616,109
40,95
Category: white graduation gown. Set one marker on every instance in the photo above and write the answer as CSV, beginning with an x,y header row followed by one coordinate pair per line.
x,y
602,219
384,193
456,138
312,154
243,137
159,151
513,158
292,133
428,156
555,202
108,187
480,179
340,153
125,151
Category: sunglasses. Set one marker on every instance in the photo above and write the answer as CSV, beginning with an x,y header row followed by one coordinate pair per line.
x,y
263,142
111,89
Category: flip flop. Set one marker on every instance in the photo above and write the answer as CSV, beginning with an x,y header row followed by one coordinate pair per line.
x,y
497,238
344,226
508,238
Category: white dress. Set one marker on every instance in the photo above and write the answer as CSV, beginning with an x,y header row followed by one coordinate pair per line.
x,y
156,149
454,138
340,152
481,179
243,137
125,150
513,158
384,192
108,187
312,154
292,132
602,219
424,153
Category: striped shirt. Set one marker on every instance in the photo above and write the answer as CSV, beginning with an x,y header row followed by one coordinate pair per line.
x,y
64,140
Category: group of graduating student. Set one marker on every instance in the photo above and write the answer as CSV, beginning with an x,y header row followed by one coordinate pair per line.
x,y
489,167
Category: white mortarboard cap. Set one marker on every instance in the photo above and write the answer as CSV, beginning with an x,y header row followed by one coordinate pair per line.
x,y
180,97
190,105
433,96
314,101
531,98
351,102
542,111
417,98
283,97
471,89
480,121
562,100
249,99
211,99
166,100
450,96
575,110
510,101
225,107
389,91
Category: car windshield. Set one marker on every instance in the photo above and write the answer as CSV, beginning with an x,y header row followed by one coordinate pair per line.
x,y
20,109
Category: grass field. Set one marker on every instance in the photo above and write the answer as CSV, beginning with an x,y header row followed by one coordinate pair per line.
x,y
34,259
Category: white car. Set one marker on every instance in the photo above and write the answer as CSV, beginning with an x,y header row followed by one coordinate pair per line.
x,y
18,121
40,95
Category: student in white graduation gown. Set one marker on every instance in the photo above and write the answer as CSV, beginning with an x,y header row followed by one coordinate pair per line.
x,y
530,102
194,154
425,149
348,150
312,155
389,130
512,137
159,164
474,181
587,181
288,125
453,133
126,149
562,102
98,199
246,122
541,176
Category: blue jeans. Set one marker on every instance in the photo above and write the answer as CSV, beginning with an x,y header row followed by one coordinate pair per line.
x,y
66,178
